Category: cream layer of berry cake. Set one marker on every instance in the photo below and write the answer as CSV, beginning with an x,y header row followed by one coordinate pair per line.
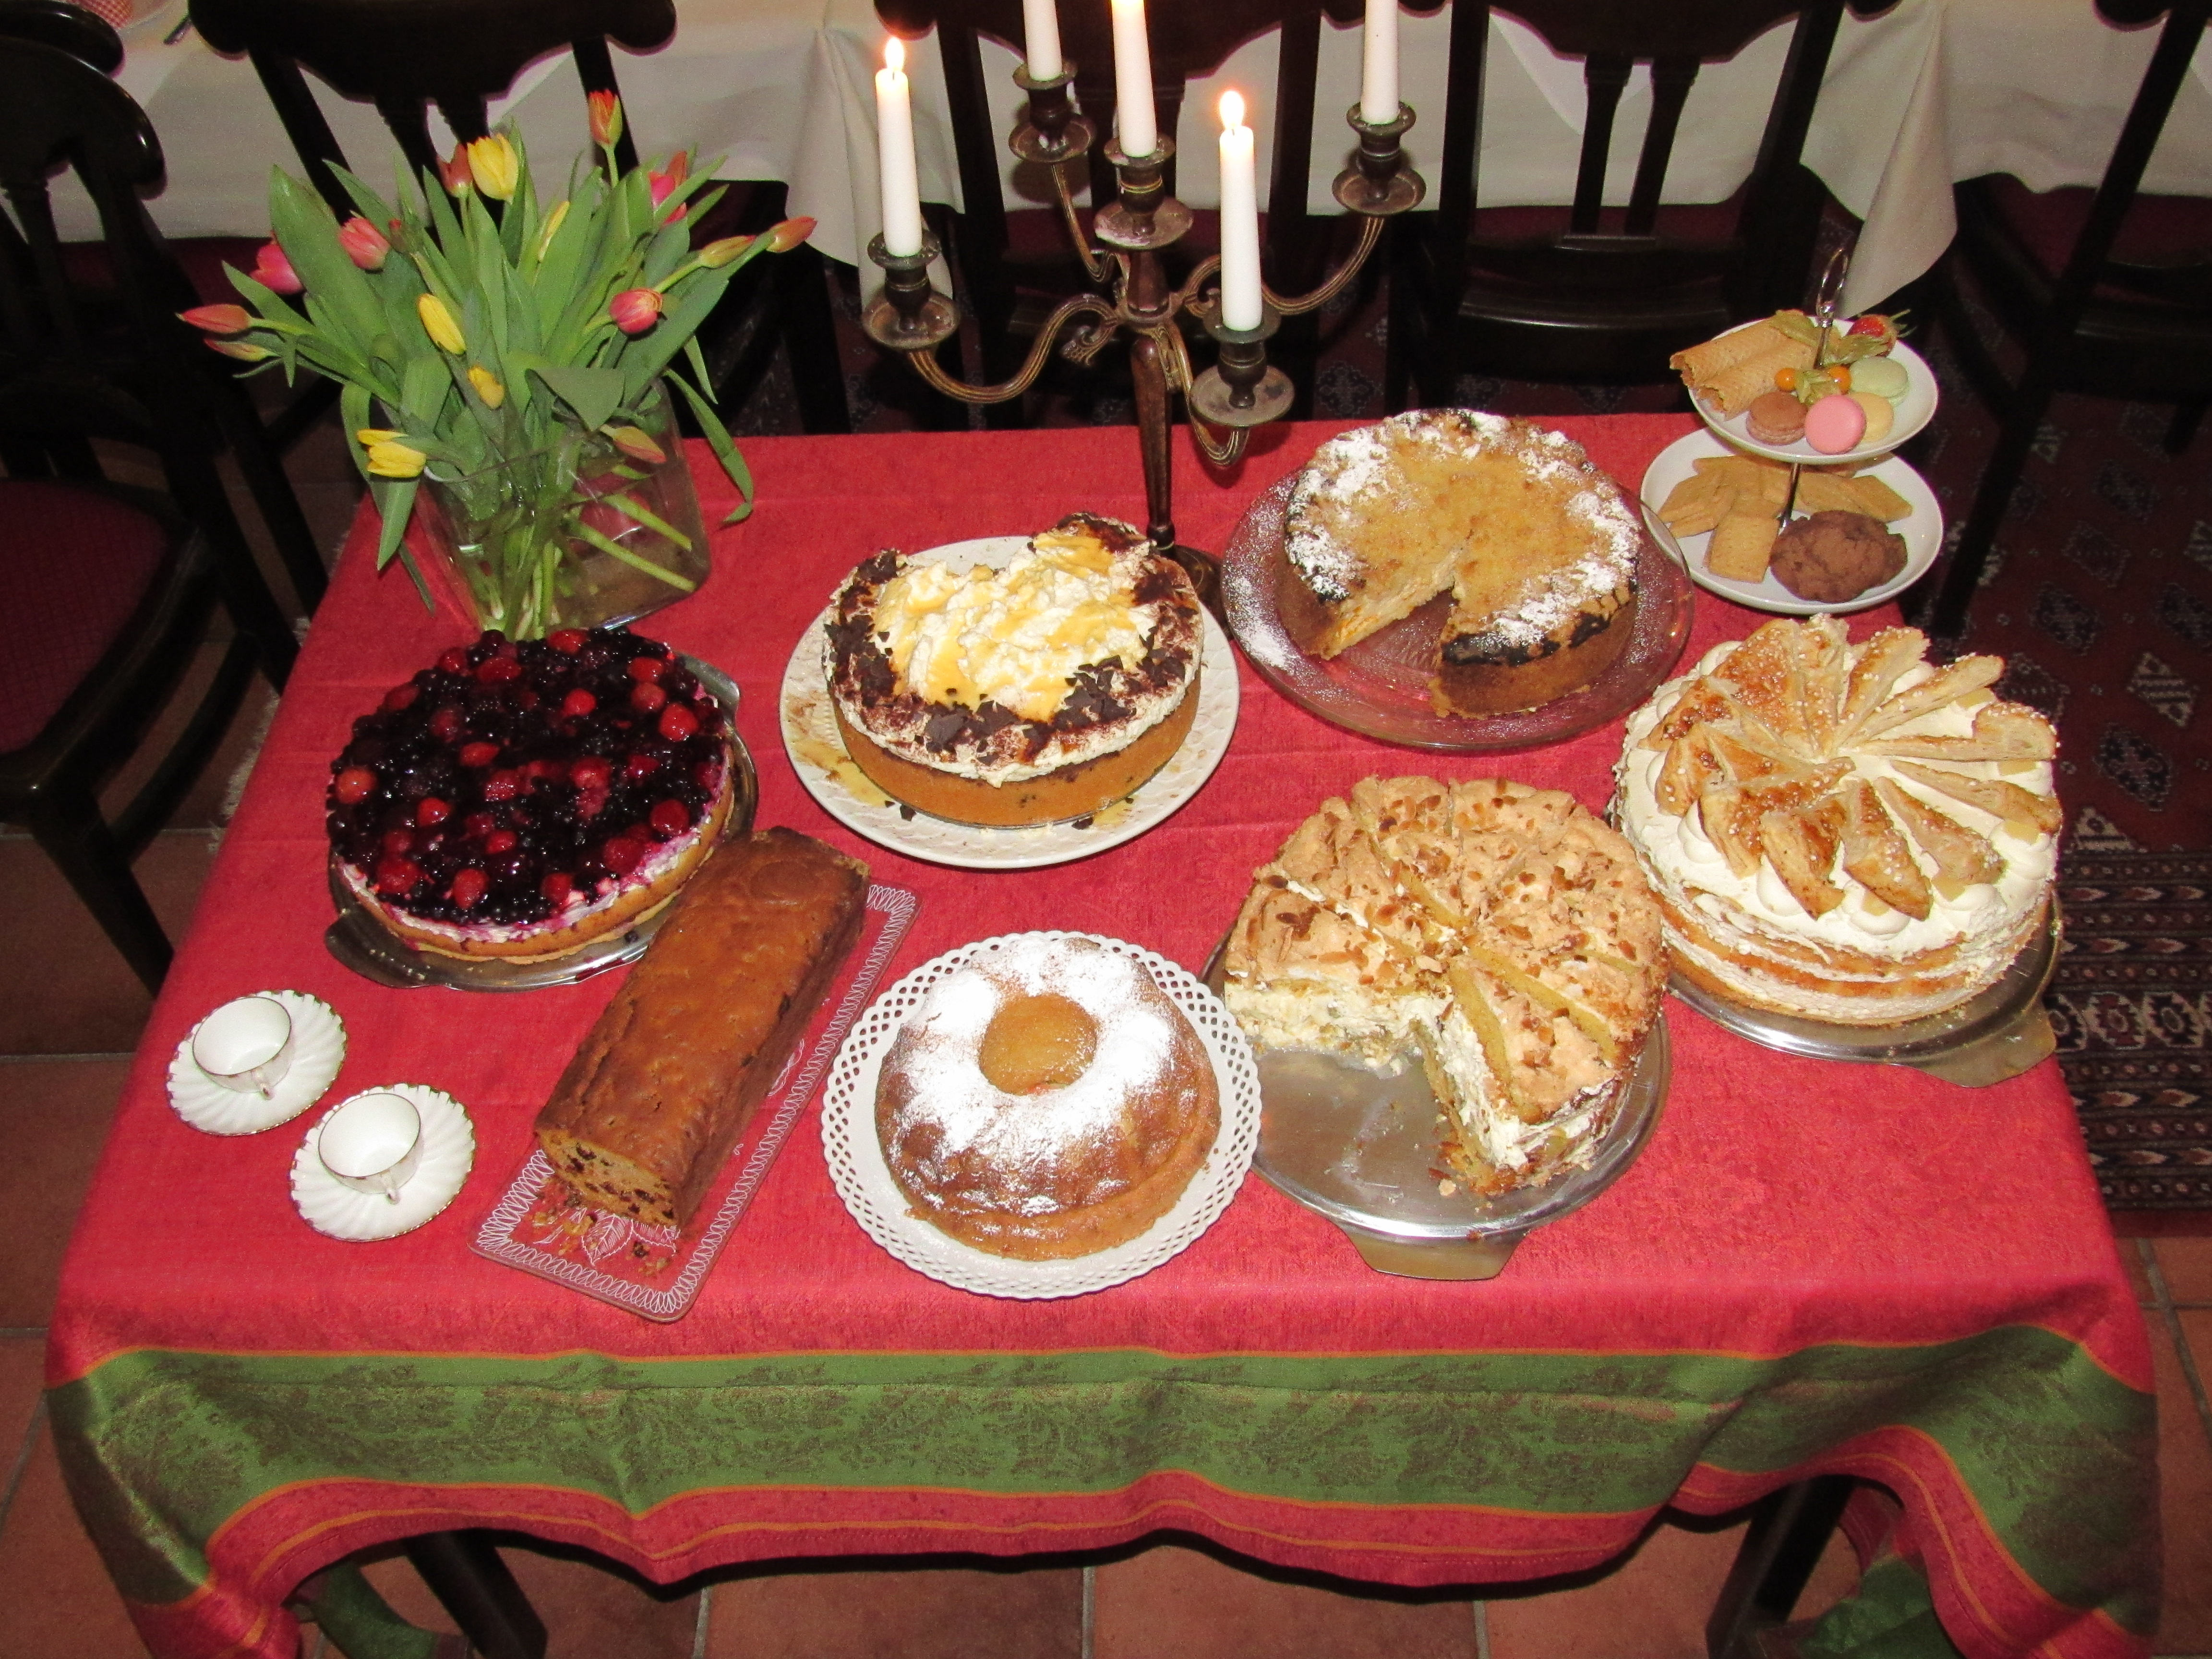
x,y
518,799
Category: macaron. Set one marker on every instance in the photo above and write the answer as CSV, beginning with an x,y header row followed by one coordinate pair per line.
x,y
1883,376
1880,413
1835,424
1775,417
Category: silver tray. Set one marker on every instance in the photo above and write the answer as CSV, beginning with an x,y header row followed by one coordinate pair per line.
x,y
1995,1036
1360,1149
362,944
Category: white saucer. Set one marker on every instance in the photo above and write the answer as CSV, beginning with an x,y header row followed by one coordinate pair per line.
x,y
873,1198
1914,410
449,1151
817,754
319,1047
1922,528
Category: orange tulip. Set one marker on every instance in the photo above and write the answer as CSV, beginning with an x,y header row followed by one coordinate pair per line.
x,y
662,183
244,350
219,320
789,234
454,175
715,255
635,309
606,119
637,443
364,244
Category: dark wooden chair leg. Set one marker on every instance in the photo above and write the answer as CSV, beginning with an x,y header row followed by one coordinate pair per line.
x,y
1943,612
2186,420
464,1572
810,333
78,839
1788,1532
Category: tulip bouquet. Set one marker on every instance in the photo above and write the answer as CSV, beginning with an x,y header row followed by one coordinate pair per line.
x,y
512,353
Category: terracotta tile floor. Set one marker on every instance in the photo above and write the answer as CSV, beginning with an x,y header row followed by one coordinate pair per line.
x,y
69,1014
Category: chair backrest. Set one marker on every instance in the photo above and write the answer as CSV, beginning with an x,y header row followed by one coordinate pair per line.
x,y
406,55
66,25
1611,37
1189,39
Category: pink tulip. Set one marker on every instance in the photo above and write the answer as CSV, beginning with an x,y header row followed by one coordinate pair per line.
x,y
364,244
789,234
606,119
272,269
679,169
635,309
219,320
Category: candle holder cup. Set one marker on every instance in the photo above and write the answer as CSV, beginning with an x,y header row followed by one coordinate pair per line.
x,y
1133,296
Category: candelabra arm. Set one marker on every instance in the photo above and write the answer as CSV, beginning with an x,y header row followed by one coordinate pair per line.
x,y
1097,265
1187,297
1371,232
1219,452
926,366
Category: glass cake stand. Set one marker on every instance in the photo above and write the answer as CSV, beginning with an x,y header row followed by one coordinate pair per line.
x,y
1379,688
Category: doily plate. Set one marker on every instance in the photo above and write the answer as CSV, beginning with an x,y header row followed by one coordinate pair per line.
x,y
817,754
864,1181
318,1047
449,1151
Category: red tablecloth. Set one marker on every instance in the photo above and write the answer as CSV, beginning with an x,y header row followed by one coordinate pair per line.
x,y
1813,1266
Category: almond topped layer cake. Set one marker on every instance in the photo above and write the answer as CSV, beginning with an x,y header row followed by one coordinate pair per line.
x,y
1846,833
1535,545
1501,934
1030,695
518,799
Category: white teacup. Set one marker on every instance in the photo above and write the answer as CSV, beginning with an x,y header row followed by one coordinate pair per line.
x,y
372,1143
246,1045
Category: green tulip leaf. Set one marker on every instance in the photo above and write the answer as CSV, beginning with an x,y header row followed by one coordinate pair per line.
x,y
593,393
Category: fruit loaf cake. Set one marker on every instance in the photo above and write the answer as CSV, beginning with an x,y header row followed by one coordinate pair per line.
x,y
672,1072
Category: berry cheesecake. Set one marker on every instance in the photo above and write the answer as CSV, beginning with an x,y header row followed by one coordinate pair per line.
x,y
519,799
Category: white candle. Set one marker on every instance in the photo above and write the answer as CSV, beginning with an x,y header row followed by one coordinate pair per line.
x,y
1041,35
1378,74
901,184
1240,219
1133,81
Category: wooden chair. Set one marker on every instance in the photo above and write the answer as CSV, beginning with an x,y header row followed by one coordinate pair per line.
x,y
111,587
1607,295
405,55
2095,319
1187,40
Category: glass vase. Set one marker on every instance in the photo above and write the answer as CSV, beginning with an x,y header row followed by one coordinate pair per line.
x,y
580,534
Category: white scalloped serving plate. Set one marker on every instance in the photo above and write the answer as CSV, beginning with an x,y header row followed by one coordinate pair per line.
x,y
864,1181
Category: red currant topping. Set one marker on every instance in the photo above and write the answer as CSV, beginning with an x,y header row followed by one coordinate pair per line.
x,y
557,887
497,671
623,854
645,696
446,724
670,818
479,754
648,668
640,766
547,771
503,784
431,811
354,785
500,840
396,842
478,824
567,641
396,878
591,772
677,722
577,704
455,661
1873,323
469,885
401,697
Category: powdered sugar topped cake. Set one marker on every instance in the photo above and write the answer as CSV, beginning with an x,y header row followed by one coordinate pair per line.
x,y
1535,545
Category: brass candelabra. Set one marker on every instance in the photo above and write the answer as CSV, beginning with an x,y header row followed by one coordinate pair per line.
x,y
1132,295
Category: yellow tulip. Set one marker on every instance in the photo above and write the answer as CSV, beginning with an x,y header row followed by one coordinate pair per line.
x,y
377,434
396,460
552,226
487,385
494,166
438,323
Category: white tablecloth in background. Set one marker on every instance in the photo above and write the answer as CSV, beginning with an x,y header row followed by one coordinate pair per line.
x,y
1931,91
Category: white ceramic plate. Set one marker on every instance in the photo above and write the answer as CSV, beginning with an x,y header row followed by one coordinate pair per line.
x,y
864,1181
319,1047
1914,410
449,1151
1922,530
817,754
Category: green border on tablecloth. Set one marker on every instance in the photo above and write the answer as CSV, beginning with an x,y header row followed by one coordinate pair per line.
x,y
161,1448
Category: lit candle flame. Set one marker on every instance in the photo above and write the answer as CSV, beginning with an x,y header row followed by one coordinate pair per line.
x,y
1232,110
895,55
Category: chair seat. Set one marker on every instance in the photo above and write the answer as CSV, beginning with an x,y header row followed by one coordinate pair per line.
x,y
2159,231
76,564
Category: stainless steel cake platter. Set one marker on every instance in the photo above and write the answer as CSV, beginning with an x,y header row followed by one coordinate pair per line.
x,y
1995,1036
363,945
1361,1148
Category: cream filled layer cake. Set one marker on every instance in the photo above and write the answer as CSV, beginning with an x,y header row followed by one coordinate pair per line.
x,y
1046,1100
1500,934
1535,545
1032,693
1846,833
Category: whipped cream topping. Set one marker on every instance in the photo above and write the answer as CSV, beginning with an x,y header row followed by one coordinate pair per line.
x,y
1014,636
1980,921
